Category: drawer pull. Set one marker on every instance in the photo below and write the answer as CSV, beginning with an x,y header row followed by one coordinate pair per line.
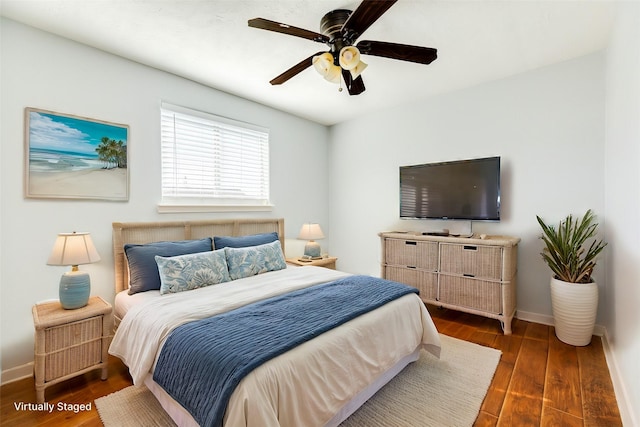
x,y
470,248
410,243
411,266
468,275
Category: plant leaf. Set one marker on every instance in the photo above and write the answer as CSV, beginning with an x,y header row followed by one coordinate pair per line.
x,y
565,247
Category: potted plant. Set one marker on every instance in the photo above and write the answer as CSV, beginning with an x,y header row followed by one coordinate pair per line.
x,y
574,294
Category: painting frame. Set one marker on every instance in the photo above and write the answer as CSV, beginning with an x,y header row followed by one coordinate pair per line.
x,y
74,157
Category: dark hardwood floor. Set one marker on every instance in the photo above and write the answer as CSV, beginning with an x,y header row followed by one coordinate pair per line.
x,y
539,381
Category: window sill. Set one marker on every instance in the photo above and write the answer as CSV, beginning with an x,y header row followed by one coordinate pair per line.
x,y
177,208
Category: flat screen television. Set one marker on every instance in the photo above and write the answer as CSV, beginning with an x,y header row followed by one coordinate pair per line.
x,y
462,189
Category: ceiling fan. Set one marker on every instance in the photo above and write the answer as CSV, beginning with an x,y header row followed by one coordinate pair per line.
x,y
339,30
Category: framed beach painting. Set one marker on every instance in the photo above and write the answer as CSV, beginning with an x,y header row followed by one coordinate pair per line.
x,y
71,157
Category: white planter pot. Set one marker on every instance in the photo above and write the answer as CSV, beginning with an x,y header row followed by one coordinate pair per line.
x,y
575,306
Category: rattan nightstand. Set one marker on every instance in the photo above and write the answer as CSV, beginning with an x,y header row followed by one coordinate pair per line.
x,y
327,262
70,342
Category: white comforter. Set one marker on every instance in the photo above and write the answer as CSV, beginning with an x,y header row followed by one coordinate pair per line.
x,y
305,386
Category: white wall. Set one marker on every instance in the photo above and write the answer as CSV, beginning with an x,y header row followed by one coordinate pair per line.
x,y
622,201
43,71
548,128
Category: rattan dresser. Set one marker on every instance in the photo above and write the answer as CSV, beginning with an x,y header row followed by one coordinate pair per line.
x,y
70,342
474,275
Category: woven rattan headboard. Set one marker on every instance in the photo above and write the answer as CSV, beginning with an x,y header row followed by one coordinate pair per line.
x,y
147,232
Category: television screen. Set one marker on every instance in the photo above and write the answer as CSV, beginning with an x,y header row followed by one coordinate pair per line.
x,y
463,189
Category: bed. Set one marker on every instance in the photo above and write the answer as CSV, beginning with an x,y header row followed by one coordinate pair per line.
x,y
317,381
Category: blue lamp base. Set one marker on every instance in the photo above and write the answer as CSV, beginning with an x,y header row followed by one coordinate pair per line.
x,y
75,287
312,249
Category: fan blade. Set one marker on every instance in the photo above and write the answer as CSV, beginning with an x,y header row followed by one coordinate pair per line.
x,y
403,52
296,69
265,24
366,14
354,86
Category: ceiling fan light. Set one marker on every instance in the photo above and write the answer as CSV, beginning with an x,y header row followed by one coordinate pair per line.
x,y
334,74
358,69
323,63
349,57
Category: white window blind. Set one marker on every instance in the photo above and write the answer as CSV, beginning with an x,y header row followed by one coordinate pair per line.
x,y
211,160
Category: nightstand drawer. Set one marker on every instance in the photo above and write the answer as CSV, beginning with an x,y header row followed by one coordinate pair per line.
x,y
71,334
72,347
74,359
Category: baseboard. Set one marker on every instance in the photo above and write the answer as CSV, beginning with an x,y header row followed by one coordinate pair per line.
x,y
544,319
534,317
17,373
622,396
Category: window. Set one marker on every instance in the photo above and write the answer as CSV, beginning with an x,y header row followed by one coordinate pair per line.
x,y
212,161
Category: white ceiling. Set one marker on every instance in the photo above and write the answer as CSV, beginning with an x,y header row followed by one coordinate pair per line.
x,y
208,41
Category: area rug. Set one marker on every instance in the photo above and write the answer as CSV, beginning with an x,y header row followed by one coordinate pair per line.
x,y
430,392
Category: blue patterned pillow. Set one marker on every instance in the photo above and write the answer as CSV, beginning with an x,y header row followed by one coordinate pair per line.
x,y
143,270
192,271
220,242
245,262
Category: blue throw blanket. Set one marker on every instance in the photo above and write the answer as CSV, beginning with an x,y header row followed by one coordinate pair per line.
x,y
202,362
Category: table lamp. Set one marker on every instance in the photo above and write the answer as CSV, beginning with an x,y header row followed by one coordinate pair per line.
x,y
311,232
74,249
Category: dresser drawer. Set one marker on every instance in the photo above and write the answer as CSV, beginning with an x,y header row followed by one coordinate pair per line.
x,y
425,281
412,253
471,260
476,294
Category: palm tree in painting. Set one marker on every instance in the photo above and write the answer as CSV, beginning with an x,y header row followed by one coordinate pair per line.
x,y
102,150
122,154
112,152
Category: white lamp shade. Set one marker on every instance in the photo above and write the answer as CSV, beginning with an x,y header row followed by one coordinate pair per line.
x,y
73,249
310,231
334,74
358,69
349,57
350,60
322,63
326,68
